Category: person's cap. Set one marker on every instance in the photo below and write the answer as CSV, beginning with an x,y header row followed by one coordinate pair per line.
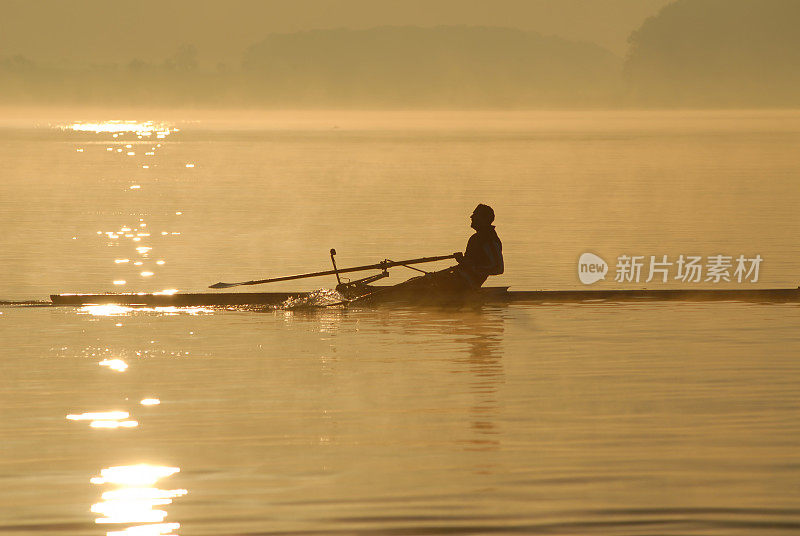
x,y
484,212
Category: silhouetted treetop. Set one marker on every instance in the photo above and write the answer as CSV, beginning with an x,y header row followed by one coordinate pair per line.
x,y
718,52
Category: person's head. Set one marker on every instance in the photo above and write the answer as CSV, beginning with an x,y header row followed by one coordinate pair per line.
x,y
482,217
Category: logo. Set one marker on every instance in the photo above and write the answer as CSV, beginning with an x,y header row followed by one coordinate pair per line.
x,y
685,268
591,268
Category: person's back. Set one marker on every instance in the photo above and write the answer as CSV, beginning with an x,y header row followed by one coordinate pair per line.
x,y
484,254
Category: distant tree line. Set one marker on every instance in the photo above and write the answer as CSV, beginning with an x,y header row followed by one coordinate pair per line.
x,y
175,81
692,53
447,66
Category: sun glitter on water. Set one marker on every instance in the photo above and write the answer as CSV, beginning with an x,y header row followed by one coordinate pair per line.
x,y
140,128
136,499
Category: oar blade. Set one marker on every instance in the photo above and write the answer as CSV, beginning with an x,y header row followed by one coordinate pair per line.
x,y
222,285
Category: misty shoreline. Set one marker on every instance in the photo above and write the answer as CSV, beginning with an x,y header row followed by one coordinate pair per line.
x,y
693,54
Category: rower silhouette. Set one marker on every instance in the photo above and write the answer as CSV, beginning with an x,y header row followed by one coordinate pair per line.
x,y
482,258
484,254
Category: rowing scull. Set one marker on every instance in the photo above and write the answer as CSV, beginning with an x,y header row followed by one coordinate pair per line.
x,y
484,295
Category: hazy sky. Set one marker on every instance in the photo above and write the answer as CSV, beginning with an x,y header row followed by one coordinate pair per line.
x,y
102,31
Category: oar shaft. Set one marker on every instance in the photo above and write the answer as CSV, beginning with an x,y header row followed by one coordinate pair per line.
x,y
377,266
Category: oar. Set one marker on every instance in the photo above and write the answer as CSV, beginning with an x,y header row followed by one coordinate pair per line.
x,y
378,266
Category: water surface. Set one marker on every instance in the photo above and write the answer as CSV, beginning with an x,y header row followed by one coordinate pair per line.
x,y
590,418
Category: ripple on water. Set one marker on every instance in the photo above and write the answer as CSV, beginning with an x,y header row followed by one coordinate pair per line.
x,y
316,299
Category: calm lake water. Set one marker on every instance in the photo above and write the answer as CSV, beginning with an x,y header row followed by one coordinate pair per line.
x,y
587,418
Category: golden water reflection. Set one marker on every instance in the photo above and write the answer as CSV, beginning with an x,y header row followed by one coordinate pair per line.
x,y
114,364
105,419
104,310
136,499
118,310
118,134
158,529
114,424
116,127
105,415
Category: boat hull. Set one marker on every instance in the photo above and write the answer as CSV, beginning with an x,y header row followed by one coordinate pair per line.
x,y
176,300
485,295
